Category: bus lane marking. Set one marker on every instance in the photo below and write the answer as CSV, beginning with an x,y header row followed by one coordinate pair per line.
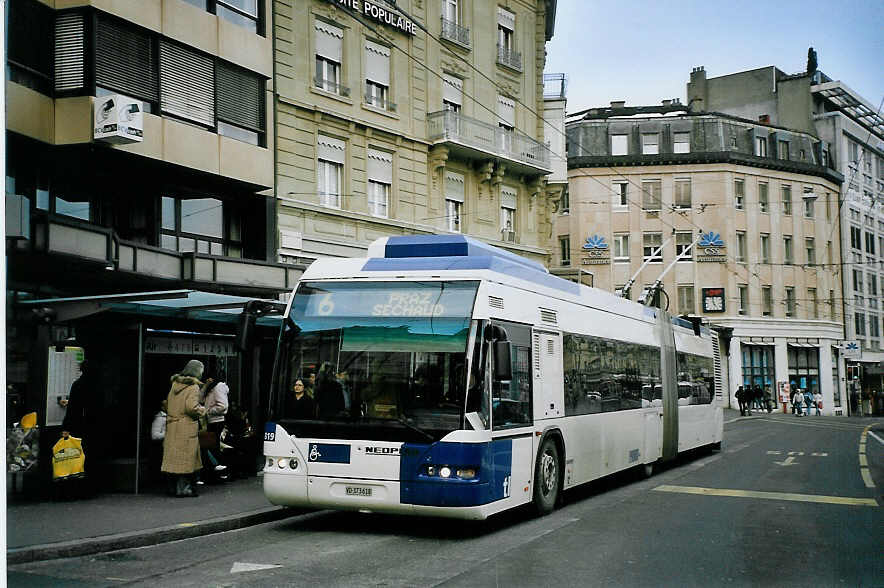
x,y
790,496
863,461
877,438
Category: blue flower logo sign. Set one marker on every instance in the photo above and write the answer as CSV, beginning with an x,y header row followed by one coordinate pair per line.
x,y
711,239
595,242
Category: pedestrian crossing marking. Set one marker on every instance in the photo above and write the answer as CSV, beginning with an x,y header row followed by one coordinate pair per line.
x,y
251,567
790,496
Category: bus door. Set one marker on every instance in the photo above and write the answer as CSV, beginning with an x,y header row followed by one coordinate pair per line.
x,y
548,376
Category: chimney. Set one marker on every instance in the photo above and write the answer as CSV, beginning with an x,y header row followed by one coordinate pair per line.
x,y
667,102
618,103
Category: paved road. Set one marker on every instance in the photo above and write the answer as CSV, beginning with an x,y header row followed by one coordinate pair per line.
x,y
785,503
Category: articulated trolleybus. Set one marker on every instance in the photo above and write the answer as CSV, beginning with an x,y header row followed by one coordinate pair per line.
x,y
456,379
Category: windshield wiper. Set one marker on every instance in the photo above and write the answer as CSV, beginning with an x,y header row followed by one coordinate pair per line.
x,y
408,425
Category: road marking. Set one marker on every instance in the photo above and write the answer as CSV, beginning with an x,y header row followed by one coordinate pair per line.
x,y
867,477
862,460
251,567
786,462
768,495
820,454
186,524
879,439
774,452
796,453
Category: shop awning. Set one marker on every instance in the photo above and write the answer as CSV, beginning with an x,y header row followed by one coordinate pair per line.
x,y
172,304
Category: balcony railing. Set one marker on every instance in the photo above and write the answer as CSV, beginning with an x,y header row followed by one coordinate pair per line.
x,y
554,86
450,126
378,101
511,59
331,86
451,31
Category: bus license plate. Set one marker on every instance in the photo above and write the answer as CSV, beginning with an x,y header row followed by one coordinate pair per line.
x,y
358,491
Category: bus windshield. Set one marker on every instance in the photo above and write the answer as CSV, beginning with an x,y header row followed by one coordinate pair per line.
x,y
378,355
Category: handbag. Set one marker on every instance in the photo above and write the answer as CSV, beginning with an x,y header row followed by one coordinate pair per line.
x,y
207,439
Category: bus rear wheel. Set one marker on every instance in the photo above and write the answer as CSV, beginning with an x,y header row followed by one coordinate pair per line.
x,y
546,478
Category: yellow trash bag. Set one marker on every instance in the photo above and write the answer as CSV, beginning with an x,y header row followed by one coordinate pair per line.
x,y
68,459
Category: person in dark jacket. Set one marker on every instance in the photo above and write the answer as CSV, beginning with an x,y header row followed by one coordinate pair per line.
x,y
300,404
329,392
741,400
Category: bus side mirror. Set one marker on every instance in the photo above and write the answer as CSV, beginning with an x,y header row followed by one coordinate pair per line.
x,y
245,326
503,367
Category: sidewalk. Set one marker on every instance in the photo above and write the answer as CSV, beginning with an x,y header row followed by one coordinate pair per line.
x,y
53,529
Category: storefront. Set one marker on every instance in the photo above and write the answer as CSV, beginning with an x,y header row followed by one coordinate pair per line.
x,y
133,344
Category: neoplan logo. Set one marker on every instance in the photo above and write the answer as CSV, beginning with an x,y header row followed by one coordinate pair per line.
x,y
381,451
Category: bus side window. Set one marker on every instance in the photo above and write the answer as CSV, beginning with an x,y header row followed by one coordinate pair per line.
x,y
511,399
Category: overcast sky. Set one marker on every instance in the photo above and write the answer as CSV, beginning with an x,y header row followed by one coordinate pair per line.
x,y
642,51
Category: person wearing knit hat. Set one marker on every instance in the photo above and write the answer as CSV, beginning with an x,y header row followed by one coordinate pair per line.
x,y
181,450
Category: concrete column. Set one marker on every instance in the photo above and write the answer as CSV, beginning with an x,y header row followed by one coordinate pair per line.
x,y
735,373
825,377
781,366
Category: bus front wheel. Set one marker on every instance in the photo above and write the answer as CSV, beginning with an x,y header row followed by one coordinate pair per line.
x,y
546,477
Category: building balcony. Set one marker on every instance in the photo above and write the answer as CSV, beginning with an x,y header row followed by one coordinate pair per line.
x,y
479,140
509,58
451,31
331,86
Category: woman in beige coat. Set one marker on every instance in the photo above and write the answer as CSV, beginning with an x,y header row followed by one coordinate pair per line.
x,y
181,448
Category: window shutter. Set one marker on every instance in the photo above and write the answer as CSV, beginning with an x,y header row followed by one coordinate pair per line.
x,y
506,19
187,79
69,51
377,63
126,61
452,89
454,186
241,99
331,149
508,197
380,166
329,41
506,110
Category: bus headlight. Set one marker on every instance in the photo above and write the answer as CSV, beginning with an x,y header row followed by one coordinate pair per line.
x,y
269,462
445,472
466,473
293,463
281,462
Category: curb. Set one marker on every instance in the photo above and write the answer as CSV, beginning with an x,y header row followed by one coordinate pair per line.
x,y
132,539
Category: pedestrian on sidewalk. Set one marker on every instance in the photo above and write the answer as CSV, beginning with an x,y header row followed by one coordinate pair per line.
x,y
797,401
768,400
741,395
181,450
808,401
758,397
81,420
215,397
817,401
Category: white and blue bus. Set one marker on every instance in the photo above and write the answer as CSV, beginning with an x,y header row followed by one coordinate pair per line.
x,y
456,379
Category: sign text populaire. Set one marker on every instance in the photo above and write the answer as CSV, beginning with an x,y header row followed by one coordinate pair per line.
x,y
380,14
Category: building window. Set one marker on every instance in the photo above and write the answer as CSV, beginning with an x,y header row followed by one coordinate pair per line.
x,y
870,243
831,305
739,193
241,12
762,197
29,63
814,311
859,324
856,238
874,328
790,301
650,143
379,170
126,61
651,247
686,300
506,53
743,291
683,193
765,248
506,115
810,250
681,143
329,183
455,190
683,240
450,11
565,250
197,225
828,206
761,146
329,52
741,247
621,247
787,200
619,145
809,199
621,199
758,366
508,201
873,290
452,93
788,257
652,195
187,84
782,149
329,170
804,368
241,104
853,150
766,301
377,76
